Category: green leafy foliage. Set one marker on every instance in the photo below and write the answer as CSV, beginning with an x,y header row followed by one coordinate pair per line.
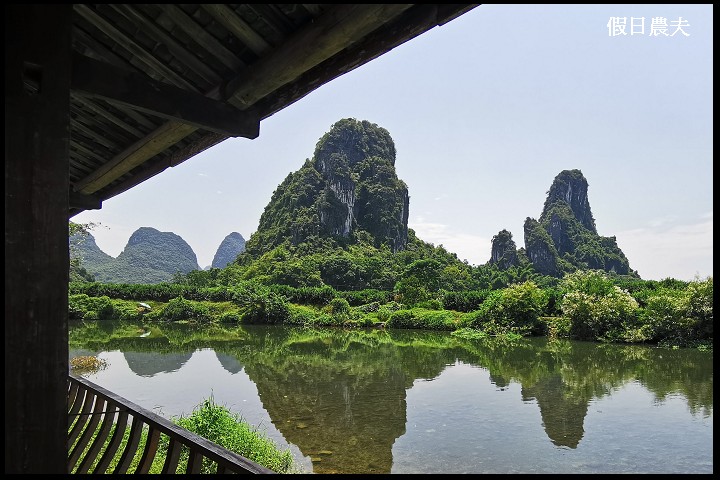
x,y
181,309
424,318
219,424
79,233
681,317
598,309
259,304
516,309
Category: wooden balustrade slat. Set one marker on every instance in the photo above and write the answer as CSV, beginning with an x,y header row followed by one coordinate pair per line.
x,y
131,447
89,404
150,450
172,457
88,432
82,417
111,411
120,427
194,463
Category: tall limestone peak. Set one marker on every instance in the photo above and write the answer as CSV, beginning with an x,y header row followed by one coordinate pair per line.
x,y
354,141
350,185
504,251
231,246
565,238
570,188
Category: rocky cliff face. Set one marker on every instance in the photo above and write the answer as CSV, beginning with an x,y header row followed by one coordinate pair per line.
x,y
504,251
350,185
231,246
565,237
570,188
540,249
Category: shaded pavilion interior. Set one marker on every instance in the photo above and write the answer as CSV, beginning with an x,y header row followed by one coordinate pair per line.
x,y
101,97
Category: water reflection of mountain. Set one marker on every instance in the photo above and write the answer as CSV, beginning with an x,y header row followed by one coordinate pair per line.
x,y
347,388
562,414
229,362
149,364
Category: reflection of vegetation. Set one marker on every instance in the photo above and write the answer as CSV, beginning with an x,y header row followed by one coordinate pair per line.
x,y
321,385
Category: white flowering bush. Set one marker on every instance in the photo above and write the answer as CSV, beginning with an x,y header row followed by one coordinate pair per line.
x,y
599,310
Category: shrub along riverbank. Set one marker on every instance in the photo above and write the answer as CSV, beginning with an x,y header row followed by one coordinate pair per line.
x,y
586,305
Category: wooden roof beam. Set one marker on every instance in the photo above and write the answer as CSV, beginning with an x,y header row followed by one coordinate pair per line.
x,y
337,29
83,202
329,34
95,79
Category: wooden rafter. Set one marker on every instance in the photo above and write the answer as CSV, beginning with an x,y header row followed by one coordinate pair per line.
x,y
94,79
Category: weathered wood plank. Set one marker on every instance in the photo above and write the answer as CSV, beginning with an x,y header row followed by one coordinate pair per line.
x,y
112,447
194,463
151,29
88,432
95,79
103,433
84,202
90,105
83,419
37,40
152,168
136,50
419,19
151,444
211,45
131,446
136,154
172,457
226,17
333,31
98,157
96,137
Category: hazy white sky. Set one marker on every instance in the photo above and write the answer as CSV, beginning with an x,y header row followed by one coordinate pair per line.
x,y
485,111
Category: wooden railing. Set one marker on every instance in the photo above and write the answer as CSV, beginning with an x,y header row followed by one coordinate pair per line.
x,y
107,433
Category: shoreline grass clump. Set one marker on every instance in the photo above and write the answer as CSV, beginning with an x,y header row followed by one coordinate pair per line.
x,y
218,424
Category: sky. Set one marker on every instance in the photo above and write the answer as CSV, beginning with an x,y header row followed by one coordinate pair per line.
x,y
485,111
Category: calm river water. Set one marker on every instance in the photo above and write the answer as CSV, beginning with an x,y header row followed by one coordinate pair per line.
x,y
409,401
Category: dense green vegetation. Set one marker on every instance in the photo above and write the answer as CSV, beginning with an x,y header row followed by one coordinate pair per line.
x,y
348,189
150,256
333,249
586,305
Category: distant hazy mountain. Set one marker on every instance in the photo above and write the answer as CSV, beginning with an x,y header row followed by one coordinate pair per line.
x,y
90,254
232,246
150,256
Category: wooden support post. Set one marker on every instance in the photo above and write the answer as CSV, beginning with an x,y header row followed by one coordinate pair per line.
x,y
37,119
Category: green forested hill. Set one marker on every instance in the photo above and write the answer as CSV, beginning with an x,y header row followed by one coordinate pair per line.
x,y
150,256
341,220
